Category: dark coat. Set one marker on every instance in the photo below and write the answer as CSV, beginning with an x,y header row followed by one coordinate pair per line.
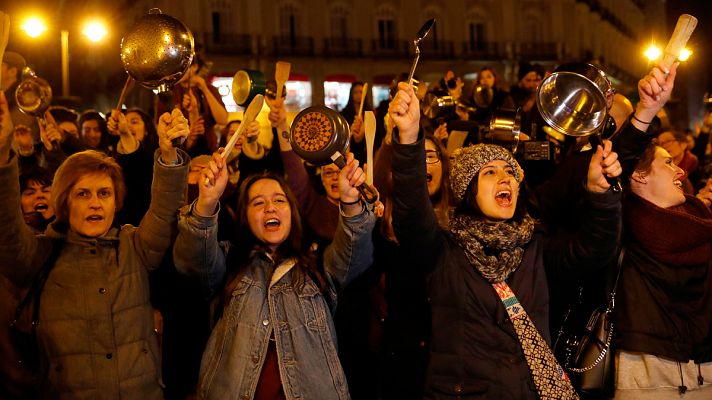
x,y
475,352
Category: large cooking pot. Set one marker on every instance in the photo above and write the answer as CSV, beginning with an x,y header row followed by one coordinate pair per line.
x,y
157,50
575,98
320,136
246,84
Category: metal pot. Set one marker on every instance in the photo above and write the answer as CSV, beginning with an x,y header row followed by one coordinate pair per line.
x,y
33,96
246,84
435,106
575,98
320,135
157,50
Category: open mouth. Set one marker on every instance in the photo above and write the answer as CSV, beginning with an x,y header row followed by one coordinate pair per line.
x,y
95,218
41,207
335,187
677,183
428,177
272,224
504,198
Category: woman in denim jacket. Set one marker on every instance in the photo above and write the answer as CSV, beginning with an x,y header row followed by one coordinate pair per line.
x,y
276,337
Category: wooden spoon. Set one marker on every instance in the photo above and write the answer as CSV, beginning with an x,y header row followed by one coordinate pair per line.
x,y
281,75
363,98
369,119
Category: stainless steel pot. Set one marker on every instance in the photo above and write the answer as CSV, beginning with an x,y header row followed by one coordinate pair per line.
x,y
575,98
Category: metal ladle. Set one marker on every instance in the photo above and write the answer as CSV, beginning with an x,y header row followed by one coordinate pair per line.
x,y
422,33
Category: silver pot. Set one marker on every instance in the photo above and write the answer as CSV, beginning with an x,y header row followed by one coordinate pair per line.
x,y
575,98
157,50
33,96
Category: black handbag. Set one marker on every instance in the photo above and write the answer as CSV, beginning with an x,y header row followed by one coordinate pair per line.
x,y
23,328
584,345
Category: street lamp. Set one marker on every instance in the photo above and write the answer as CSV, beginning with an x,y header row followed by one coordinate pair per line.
x,y
95,31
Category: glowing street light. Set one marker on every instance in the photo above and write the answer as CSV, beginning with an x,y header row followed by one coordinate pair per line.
x,y
684,54
34,27
653,52
94,31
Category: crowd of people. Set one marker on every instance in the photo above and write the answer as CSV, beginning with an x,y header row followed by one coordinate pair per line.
x,y
144,262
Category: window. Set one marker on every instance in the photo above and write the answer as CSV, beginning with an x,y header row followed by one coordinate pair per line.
x,y
289,22
216,27
339,19
386,20
476,30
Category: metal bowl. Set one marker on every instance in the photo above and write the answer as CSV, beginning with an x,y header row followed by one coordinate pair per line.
x,y
574,99
157,50
33,96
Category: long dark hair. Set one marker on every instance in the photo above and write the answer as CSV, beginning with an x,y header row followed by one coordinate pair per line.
x,y
150,137
245,241
351,108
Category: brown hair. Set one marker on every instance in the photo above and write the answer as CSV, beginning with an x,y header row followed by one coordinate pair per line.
x,y
77,166
645,162
245,241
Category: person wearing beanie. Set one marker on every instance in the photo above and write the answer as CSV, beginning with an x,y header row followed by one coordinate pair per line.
x,y
486,274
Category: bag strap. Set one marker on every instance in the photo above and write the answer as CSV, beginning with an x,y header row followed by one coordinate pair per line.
x,y
38,283
612,294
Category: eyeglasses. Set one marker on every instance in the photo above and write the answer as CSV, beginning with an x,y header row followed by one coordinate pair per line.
x,y
328,174
432,157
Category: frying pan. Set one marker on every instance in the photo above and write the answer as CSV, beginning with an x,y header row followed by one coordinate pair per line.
x,y
320,135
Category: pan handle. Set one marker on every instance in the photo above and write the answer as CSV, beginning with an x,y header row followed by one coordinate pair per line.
x,y
369,193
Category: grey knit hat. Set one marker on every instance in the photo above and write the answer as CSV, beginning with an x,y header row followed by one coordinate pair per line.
x,y
468,161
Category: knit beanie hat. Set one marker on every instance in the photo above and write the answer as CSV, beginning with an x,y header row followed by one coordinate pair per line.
x,y
468,161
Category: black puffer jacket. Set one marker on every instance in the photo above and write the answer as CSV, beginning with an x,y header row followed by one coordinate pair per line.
x,y
474,350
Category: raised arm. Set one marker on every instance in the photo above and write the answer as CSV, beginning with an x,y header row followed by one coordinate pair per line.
x,y
414,220
158,228
594,244
351,251
196,251
18,246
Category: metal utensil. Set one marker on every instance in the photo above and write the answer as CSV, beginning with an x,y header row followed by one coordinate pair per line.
x,y
157,51
422,33
320,135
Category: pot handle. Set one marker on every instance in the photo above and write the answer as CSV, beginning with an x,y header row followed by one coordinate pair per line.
x,y
369,193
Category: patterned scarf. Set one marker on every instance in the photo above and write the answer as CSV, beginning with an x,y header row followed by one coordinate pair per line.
x,y
493,248
549,378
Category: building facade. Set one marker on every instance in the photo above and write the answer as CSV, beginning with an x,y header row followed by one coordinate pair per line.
x,y
371,40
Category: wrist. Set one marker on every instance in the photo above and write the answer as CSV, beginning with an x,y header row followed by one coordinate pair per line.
x,y
205,207
169,157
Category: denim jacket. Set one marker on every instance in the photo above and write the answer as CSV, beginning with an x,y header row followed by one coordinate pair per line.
x,y
301,320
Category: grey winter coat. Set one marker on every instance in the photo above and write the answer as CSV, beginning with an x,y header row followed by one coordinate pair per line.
x,y
96,321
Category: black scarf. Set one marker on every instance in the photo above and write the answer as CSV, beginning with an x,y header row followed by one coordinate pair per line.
x,y
495,249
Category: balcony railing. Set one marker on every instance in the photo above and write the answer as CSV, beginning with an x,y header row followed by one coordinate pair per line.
x,y
436,49
390,48
340,47
292,46
228,43
483,50
537,51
